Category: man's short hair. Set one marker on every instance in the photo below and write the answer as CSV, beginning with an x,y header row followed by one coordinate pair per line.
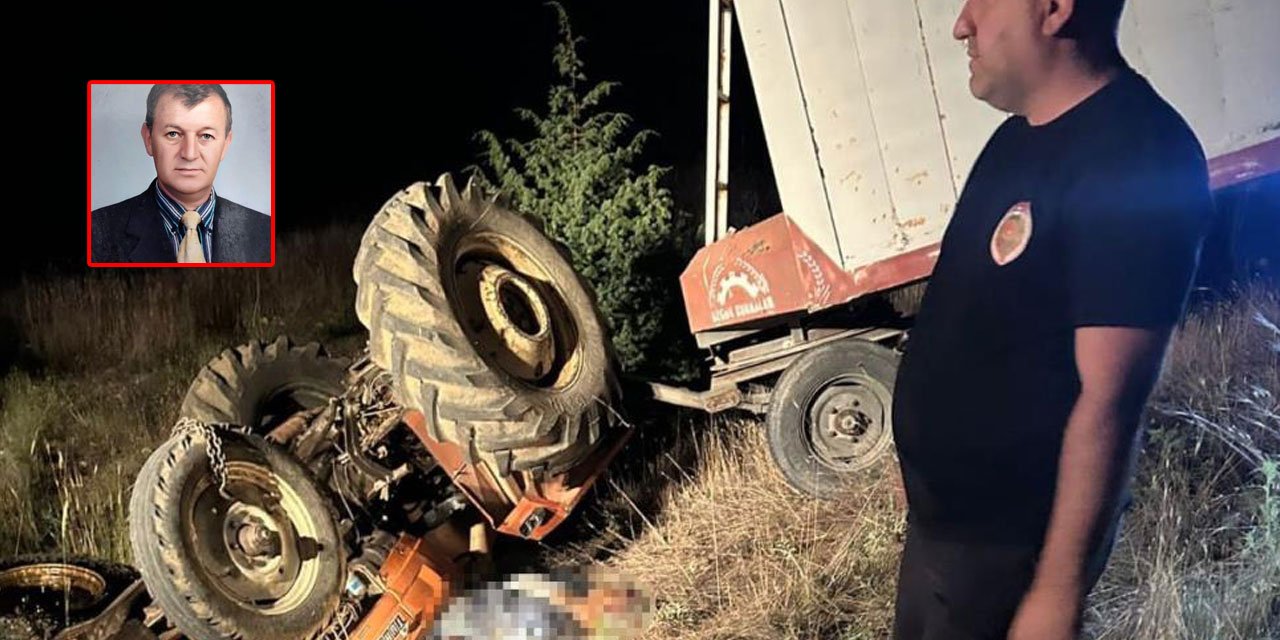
x,y
190,95
1094,25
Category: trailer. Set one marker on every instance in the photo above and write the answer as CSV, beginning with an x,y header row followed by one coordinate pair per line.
x,y
871,132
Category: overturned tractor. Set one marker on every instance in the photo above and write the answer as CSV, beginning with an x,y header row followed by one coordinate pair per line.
x,y
304,497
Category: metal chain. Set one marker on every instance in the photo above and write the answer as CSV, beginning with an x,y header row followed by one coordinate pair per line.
x,y
212,446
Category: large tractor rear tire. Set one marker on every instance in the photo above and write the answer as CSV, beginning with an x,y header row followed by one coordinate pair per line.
x,y
485,328
260,384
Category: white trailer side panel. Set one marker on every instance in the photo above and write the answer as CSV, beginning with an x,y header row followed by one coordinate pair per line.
x,y
1216,61
1177,41
786,124
895,63
843,125
861,74
872,129
967,123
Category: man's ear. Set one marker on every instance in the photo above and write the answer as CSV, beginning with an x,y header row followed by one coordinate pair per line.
x,y
1059,13
146,140
225,145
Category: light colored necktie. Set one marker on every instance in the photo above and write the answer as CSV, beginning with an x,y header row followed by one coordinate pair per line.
x,y
190,250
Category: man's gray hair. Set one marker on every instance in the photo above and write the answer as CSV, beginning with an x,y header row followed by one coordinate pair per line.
x,y
190,95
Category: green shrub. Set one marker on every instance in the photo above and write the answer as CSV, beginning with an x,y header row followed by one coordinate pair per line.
x,y
580,173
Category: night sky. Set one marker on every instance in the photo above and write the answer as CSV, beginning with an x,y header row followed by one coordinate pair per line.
x,y
378,99
371,100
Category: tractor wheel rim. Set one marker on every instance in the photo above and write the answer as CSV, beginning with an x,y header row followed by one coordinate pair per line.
x,y
255,542
77,587
287,400
520,318
256,547
514,312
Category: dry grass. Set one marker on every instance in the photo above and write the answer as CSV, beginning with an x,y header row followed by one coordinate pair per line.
x,y
699,512
69,450
1200,554
732,552
106,359
113,319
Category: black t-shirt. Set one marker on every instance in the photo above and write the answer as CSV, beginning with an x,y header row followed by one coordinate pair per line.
x,y
1093,219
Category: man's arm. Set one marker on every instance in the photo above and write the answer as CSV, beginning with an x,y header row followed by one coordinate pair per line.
x,y
1118,367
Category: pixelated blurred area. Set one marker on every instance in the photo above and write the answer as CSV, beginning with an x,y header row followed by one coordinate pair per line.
x,y
590,603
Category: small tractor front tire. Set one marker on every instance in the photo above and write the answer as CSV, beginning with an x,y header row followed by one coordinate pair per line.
x,y
213,582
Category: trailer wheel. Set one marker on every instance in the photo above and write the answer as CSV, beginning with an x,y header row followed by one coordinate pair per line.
x,y
259,384
261,559
830,415
53,591
485,328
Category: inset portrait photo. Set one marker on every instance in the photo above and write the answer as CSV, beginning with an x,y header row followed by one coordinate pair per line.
x,y
181,174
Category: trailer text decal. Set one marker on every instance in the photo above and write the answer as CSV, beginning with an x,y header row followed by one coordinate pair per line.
x,y
738,291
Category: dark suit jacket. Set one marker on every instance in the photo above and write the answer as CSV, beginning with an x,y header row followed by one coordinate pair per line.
x,y
132,231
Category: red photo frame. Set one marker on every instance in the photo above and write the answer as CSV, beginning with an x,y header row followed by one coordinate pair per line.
x,y
89,179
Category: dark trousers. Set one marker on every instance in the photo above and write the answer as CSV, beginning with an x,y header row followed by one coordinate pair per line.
x,y
950,590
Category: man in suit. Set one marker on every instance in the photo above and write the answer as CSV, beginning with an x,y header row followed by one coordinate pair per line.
x,y
179,217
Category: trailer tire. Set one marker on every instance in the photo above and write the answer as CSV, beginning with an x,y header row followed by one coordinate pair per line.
x,y
260,384
830,415
207,576
485,328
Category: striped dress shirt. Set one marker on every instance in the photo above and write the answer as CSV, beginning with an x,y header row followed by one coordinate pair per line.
x,y
171,213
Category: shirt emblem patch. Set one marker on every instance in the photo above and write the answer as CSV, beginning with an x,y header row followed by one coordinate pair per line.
x,y
1012,234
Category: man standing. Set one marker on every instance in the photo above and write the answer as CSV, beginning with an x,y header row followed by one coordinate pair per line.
x,y
179,218
1062,273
